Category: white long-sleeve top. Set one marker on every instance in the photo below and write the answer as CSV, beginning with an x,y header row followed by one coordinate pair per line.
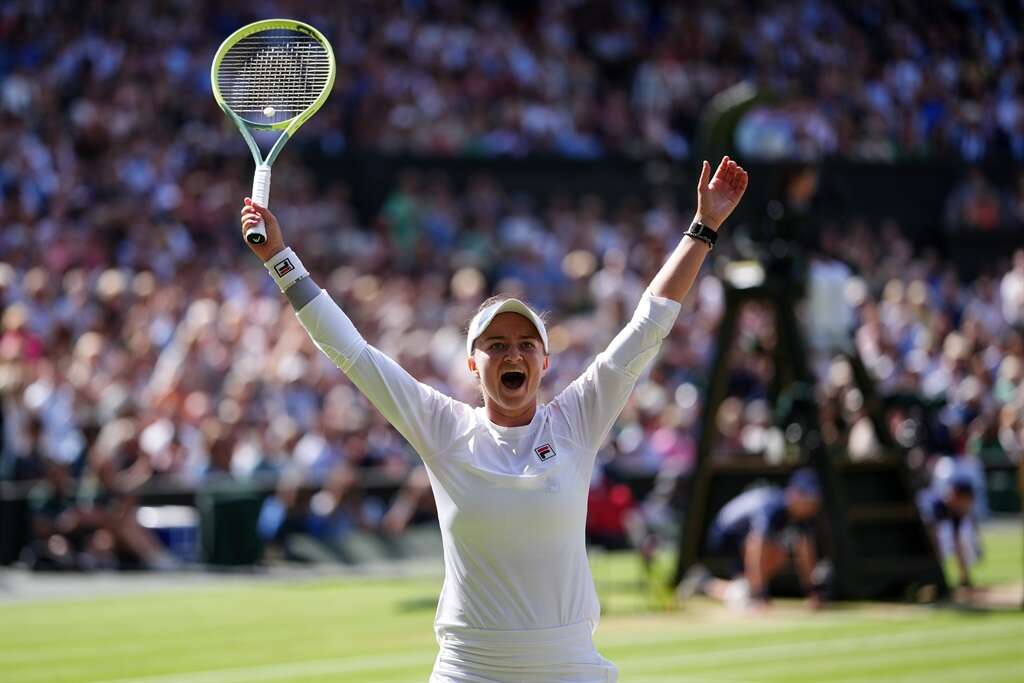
x,y
511,501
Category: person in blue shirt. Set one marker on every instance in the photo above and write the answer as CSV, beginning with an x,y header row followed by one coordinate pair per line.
x,y
946,512
757,530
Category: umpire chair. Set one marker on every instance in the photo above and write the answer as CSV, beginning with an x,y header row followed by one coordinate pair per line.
x,y
870,528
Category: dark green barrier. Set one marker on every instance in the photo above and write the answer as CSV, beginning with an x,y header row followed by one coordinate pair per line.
x,y
227,519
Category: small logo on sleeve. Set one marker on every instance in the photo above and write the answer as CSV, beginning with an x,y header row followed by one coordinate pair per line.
x,y
284,267
544,452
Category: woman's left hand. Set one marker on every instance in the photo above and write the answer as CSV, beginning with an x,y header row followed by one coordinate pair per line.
x,y
718,196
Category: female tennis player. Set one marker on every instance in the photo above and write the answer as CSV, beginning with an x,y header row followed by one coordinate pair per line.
x,y
511,477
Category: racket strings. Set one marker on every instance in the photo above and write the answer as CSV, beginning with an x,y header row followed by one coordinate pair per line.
x,y
286,72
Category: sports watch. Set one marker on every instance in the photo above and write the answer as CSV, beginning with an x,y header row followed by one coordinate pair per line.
x,y
699,231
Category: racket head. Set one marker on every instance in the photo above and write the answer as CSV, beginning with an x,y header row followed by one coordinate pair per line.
x,y
280,63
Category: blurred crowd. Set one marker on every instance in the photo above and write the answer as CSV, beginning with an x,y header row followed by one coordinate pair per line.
x,y
142,346
865,80
163,355
949,353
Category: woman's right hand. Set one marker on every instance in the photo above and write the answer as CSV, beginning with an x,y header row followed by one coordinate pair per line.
x,y
251,214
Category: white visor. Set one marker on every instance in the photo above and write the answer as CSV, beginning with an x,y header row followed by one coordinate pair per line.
x,y
482,319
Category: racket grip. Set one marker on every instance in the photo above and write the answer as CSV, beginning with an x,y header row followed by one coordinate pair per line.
x,y
260,195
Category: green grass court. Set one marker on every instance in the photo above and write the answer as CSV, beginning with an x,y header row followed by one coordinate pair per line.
x,y
379,631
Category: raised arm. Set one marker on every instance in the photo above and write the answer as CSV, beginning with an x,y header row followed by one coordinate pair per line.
x,y
427,419
716,199
595,399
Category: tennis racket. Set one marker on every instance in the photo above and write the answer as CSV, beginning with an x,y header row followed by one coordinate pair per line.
x,y
271,75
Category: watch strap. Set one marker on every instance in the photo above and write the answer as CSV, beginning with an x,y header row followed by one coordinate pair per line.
x,y
699,231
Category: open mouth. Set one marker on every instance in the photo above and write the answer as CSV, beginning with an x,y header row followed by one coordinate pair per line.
x,y
513,379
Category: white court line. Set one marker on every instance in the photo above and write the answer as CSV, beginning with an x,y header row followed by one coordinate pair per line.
x,y
345,665
271,672
981,672
21,654
811,622
812,663
971,674
72,653
717,631
675,678
837,645
818,623
115,644
947,663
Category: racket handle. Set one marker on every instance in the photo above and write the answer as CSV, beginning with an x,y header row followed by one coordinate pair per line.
x,y
260,195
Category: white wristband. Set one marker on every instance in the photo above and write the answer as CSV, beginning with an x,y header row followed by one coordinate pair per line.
x,y
286,268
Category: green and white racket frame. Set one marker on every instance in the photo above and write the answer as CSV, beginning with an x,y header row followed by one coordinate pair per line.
x,y
271,75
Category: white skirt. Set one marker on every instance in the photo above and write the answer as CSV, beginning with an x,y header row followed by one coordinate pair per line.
x,y
565,654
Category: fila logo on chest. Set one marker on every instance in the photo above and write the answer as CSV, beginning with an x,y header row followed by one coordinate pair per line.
x,y
544,452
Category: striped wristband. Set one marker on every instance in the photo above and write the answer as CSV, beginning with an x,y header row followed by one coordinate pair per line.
x,y
286,268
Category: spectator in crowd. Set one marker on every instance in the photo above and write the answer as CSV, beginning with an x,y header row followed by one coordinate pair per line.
x,y
65,533
757,532
974,204
118,468
1011,290
413,500
615,520
283,513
